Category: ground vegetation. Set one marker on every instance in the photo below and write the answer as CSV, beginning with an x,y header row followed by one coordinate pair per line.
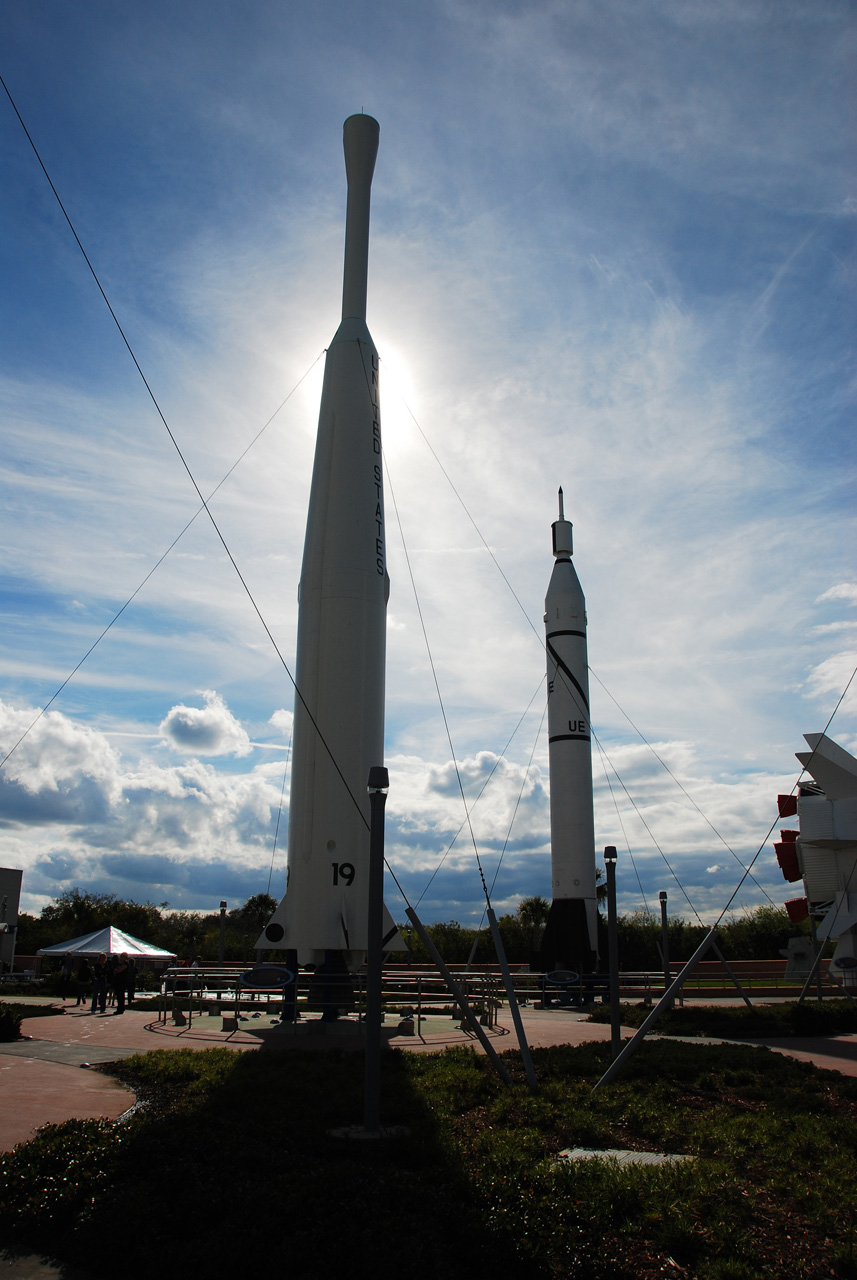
x,y
247,1145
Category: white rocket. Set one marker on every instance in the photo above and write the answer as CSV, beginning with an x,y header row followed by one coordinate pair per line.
x,y
570,937
342,616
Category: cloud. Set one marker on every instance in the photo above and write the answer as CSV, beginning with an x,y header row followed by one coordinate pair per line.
x,y
59,772
842,591
283,721
74,811
211,730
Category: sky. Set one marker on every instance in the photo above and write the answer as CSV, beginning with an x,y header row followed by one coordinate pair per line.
x,y
612,248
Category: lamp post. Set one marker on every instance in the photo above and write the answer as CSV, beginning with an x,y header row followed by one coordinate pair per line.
x,y
223,906
612,950
665,938
379,782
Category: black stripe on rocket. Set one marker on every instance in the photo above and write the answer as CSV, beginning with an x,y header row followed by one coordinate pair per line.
x,y
566,737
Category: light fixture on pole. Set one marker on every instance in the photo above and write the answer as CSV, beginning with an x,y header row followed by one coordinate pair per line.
x,y
665,938
222,948
613,949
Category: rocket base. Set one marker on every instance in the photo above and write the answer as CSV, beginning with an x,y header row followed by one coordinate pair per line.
x,y
566,943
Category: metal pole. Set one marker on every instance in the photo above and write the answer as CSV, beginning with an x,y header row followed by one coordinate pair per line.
x,y
665,937
379,781
513,1001
613,951
458,996
666,1002
222,948
815,976
742,993
815,947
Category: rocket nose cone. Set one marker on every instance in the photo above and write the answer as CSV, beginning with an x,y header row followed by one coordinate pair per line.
x,y
360,140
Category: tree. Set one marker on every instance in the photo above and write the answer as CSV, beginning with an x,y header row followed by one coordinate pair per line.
x,y
532,915
761,934
533,912
255,913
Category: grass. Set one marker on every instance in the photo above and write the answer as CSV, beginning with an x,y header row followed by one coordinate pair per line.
x,y
228,1166
772,1021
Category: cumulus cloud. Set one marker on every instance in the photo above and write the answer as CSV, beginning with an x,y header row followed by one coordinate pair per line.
x,y
282,720
75,812
211,730
60,771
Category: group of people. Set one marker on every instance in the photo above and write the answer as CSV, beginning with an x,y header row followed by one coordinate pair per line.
x,y
109,976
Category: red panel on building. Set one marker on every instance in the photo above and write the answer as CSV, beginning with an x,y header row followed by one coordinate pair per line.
x,y
787,858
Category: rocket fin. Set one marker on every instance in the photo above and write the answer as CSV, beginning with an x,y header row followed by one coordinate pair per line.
x,y
274,937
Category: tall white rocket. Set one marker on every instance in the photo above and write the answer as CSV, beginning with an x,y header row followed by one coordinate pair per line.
x,y
339,704
570,938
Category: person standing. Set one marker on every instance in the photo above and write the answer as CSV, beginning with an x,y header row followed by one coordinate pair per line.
x,y
131,984
84,977
65,975
120,981
99,984
110,965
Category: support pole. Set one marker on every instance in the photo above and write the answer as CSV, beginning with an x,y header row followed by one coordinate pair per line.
x,y
813,928
613,952
513,1001
458,996
665,1003
815,975
742,993
379,782
665,938
222,948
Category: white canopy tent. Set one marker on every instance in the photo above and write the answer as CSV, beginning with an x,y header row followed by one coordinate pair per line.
x,y
111,941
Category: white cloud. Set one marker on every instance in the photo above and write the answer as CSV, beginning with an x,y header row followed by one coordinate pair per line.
x,y
842,591
282,720
211,730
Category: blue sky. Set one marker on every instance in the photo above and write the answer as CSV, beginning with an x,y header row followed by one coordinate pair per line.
x,y
612,248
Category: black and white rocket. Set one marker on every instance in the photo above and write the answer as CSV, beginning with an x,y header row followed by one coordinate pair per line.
x,y
570,937
338,730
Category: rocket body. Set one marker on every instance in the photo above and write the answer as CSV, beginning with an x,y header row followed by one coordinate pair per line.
x,y
338,732
570,938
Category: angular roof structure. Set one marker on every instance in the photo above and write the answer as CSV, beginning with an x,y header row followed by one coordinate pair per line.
x,y
111,941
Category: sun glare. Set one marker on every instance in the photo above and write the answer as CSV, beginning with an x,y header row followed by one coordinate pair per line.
x,y
398,395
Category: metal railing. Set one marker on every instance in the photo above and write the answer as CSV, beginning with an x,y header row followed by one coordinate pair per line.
x,y
411,992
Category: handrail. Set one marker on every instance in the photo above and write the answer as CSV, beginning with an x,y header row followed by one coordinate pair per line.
x,y
421,988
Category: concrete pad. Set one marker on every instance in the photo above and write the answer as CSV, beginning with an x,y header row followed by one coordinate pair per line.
x,y
620,1156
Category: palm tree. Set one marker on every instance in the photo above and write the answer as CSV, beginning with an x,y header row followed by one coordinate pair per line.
x,y
533,914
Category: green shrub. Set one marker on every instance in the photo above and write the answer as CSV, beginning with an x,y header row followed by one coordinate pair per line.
x,y
10,1023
